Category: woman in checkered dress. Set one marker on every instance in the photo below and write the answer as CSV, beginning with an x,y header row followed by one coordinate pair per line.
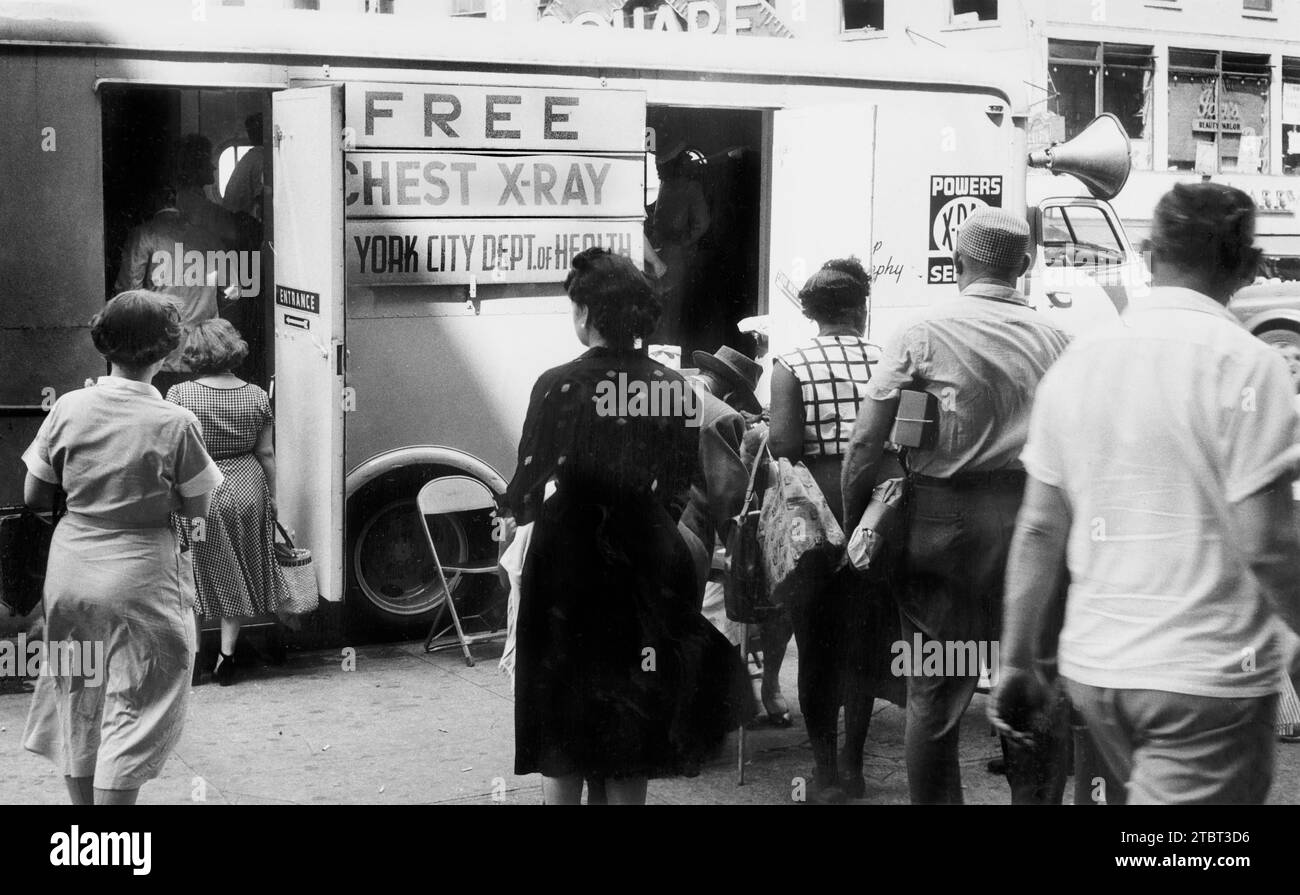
x,y
234,560
843,630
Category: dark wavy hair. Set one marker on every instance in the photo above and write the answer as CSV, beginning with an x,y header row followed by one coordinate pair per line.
x,y
213,346
1204,227
620,302
837,293
136,328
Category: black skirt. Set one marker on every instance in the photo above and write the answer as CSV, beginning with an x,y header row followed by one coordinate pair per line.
x,y
617,674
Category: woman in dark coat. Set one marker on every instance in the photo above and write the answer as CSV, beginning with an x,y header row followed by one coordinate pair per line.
x,y
619,679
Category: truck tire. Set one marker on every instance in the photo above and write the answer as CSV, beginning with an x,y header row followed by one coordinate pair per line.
x,y
1278,335
392,588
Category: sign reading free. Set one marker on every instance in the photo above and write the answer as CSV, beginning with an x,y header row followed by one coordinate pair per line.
x,y
444,184
459,116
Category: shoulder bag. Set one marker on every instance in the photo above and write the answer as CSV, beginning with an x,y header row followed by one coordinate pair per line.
x,y
746,596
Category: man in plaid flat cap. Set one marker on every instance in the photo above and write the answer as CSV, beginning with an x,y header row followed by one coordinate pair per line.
x,y
981,355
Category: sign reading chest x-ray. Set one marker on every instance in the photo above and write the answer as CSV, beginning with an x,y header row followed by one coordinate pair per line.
x,y
469,184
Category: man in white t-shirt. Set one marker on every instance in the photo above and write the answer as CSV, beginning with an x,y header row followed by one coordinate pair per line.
x,y
1160,454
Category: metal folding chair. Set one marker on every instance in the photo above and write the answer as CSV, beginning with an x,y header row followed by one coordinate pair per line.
x,y
454,494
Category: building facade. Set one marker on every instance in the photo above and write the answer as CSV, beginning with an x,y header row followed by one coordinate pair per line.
x,y
1204,88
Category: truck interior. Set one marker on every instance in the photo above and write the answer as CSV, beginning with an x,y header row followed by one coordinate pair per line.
x,y
722,285
142,126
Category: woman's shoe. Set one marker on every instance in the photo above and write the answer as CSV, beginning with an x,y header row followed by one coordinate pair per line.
x,y
224,673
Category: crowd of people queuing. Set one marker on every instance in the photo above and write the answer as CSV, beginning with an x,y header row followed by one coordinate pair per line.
x,y
1116,510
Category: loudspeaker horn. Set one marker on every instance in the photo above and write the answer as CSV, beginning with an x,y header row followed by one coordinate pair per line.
x,y
1099,156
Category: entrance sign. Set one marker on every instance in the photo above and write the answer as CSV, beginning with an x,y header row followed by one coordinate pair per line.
x,y
460,116
445,251
444,184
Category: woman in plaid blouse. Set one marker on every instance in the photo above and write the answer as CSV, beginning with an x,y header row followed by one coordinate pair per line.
x,y
842,635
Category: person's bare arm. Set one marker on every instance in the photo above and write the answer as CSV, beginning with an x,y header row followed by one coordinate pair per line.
x,y
1265,526
656,264
862,458
1033,611
785,433
135,263
1035,567
264,451
196,507
39,494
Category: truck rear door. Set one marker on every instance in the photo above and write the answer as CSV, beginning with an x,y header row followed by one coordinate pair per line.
x,y
816,152
309,353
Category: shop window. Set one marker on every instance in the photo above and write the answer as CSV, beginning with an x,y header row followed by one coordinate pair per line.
x,y
383,7
305,4
1218,112
974,10
470,9
864,15
1290,116
1089,78
1079,236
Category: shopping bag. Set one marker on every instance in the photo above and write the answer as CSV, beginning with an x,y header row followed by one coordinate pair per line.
x,y
299,594
803,544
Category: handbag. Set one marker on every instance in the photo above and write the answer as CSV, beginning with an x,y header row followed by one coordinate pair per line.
x,y
25,539
746,597
298,591
803,543
512,562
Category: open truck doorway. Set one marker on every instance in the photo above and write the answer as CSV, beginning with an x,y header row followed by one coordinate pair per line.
x,y
703,193
200,150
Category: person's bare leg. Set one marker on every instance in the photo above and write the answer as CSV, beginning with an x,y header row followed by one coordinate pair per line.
x,y
81,790
116,796
562,790
626,791
229,634
775,636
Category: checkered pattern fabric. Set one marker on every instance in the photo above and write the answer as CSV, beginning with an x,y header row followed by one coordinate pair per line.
x,y
996,237
234,562
833,373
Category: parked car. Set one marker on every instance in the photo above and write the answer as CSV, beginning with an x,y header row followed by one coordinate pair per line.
x,y
1270,311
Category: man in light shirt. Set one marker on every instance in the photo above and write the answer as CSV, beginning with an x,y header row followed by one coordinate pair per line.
x,y
1161,452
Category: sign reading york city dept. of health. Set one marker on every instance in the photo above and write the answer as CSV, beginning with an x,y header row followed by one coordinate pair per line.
x,y
455,251
445,184
459,116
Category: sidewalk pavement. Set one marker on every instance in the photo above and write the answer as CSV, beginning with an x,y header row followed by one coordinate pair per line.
x,y
409,728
